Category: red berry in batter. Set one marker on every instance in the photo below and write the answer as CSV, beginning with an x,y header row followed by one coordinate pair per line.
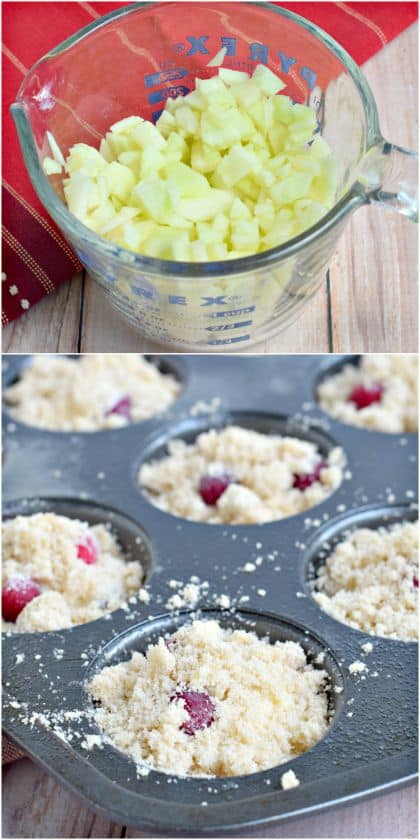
x,y
415,581
213,486
362,396
122,407
200,708
304,480
170,643
16,593
88,550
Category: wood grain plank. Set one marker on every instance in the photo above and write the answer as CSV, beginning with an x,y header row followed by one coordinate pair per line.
x,y
50,327
374,273
35,805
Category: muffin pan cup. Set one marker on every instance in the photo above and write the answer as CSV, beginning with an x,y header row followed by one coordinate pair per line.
x,y
371,751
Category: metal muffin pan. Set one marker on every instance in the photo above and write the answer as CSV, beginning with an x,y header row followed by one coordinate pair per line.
x,y
371,751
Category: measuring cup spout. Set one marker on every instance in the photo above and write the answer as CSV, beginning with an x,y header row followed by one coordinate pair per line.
x,y
390,175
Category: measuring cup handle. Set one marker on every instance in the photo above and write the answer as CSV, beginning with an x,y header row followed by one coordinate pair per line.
x,y
399,181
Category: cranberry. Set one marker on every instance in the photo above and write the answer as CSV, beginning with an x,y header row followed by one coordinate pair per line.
x,y
122,407
16,593
213,486
170,643
304,480
415,581
88,550
200,708
362,396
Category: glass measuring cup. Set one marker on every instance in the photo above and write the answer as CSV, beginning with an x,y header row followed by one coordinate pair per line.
x,y
129,62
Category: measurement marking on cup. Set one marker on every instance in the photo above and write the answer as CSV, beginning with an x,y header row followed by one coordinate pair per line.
x,y
232,340
224,327
227,313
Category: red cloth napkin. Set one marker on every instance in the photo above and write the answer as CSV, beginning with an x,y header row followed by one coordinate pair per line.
x,y
36,258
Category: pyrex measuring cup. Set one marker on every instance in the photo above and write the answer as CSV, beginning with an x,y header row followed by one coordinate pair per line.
x,y
129,62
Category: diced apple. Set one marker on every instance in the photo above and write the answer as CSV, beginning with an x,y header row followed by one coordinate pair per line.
x,y
232,77
319,147
106,151
245,235
125,125
235,165
195,100
203,209
51,167
135,233
82,194
153,198
283,109
218,59
291,188
166,123
247,94
123,216
267,80
191,184
204,158
55,149
239,210
199,251
188,120
214,92
120,180
84,158
223,128
146,134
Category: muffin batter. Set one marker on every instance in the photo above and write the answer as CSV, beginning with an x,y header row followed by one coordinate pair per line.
x,y
370,581
238,476
380,393
95,391
213,702
58,572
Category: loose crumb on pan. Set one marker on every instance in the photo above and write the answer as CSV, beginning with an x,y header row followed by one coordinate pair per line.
x,y
248,477
289,780
95,391
370,581
204,702
394,409
357,667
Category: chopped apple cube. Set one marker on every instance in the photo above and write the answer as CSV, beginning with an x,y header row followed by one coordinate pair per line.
x,y
187,120
203,209
204,158
125,125
267,80
51,167
191,184
232,77
146,134
245,235
218,59
55,149
120,180
291,188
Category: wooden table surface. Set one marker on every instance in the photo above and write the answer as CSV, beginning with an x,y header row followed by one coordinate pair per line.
x,y
34,805
368,302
